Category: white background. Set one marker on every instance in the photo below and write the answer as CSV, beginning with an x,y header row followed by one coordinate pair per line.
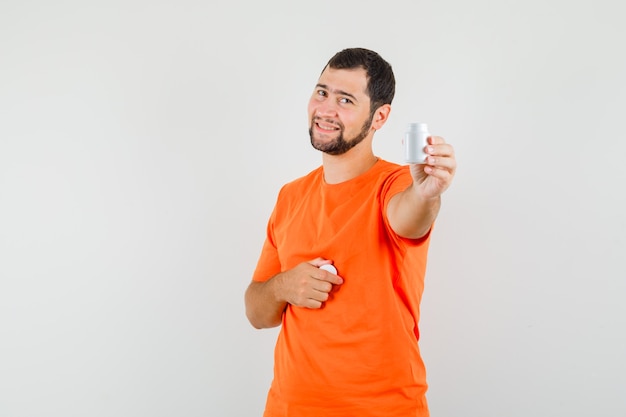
x,y
142,145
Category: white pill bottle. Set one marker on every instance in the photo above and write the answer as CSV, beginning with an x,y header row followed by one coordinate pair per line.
x,y
415,140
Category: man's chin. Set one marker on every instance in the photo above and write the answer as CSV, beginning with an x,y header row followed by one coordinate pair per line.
x,y
323,147
324,143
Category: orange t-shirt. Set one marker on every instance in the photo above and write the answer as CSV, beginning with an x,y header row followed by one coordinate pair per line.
x,y
358,355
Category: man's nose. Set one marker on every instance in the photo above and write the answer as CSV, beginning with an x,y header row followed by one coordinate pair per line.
x,y
326,109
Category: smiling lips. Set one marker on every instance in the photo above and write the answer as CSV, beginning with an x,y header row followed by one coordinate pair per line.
x,y
326,125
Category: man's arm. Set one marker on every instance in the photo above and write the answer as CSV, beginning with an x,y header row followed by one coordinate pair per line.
x,y
303,286
264,308
412,212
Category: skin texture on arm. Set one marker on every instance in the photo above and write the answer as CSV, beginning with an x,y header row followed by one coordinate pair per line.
x,y
304,286
263,307
412,212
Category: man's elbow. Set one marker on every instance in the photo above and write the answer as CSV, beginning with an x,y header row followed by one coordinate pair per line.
x,y
262,323
261,311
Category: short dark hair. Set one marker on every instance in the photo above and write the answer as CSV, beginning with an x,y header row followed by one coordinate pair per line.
x,y
381,83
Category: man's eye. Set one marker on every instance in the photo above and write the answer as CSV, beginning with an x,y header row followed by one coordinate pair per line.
x,y
321,93
345,100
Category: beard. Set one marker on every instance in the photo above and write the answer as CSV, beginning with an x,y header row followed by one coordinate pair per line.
x,y
340,145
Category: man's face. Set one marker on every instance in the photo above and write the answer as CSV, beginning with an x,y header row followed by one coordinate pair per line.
x,y
339,111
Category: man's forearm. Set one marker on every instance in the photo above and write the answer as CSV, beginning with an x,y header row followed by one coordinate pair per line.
x,y
263,308
411,216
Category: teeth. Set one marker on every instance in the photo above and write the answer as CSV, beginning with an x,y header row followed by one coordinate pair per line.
x,y
327,127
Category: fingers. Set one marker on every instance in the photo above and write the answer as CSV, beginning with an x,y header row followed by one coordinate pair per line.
x,y
322,286
324,275
440,160
435,140
314,293
437,146
308,286
444,175
317,262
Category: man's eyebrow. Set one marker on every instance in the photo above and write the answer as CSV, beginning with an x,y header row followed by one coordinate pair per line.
x,y
339,92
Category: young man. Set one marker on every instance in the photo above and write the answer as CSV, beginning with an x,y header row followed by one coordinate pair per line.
x,y
348,344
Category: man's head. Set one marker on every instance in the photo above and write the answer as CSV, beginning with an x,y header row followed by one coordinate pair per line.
x,y
352,99
381,83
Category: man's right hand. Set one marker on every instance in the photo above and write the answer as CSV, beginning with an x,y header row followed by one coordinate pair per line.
x,y
306,285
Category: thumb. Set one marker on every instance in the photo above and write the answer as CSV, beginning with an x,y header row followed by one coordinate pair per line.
x,y
317,262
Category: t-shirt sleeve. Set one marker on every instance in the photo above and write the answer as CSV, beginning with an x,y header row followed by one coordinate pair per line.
x,y
395,183
268,264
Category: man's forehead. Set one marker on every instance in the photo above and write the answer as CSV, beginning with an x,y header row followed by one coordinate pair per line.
x,y
353,81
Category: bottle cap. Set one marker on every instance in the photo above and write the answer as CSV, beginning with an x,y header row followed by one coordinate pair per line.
x,y
417,126
329,268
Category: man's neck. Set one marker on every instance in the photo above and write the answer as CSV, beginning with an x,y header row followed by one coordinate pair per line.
x,y
341,168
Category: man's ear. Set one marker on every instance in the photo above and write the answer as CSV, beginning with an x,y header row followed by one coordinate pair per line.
x,y
380,116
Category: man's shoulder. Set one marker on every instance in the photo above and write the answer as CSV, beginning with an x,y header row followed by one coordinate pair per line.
x,y
387,166
303,183
308,178
392,177
390,170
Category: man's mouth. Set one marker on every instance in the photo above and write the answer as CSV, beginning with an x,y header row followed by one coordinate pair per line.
x,y
326,126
